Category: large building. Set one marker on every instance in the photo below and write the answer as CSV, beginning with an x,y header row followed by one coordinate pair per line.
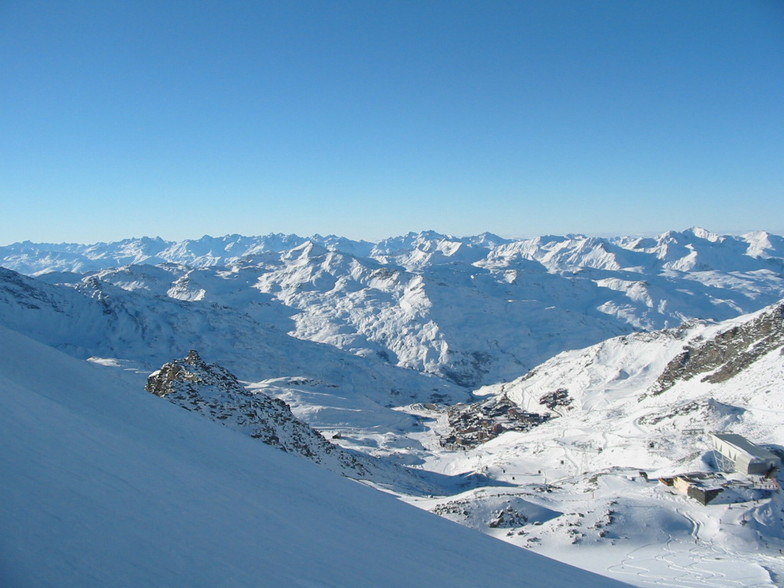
x,y
738,454
700,486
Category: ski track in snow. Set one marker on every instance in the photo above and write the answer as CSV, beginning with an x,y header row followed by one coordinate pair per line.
x,y
652,565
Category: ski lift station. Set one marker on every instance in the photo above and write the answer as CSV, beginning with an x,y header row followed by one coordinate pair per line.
x,y
735,453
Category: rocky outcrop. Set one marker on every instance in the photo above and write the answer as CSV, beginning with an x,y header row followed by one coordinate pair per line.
x,y
495,511
215,392
728,353
212,390
696,413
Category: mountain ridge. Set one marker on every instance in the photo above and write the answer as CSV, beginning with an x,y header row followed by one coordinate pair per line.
x,y
214,392
31,258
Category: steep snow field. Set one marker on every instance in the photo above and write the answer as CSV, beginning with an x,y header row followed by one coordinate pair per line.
x,y
108,486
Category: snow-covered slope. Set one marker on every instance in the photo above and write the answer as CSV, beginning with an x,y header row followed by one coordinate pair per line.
x,y
475,310
108,486
650,364
211,390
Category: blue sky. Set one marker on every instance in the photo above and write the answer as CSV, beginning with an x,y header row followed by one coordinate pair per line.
x,y
372,119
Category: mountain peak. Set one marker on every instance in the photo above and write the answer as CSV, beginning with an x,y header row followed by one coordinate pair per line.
x,y
701,233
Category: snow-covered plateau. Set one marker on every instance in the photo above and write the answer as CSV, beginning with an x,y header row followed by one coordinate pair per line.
x,y
534,390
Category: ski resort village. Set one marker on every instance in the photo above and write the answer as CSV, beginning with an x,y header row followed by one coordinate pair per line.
x,y
426,410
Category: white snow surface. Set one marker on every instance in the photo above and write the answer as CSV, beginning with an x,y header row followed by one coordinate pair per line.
x,y
108,486
329,326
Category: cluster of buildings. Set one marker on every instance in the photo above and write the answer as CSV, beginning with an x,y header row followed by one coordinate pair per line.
x,y
733,453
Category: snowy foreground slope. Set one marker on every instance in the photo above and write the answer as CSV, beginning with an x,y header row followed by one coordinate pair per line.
x,y
106,486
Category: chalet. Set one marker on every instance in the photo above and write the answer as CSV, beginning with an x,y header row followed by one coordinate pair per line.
x,y
735,453
700,486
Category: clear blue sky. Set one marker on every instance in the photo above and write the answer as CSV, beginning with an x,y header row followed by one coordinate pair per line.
x,y
374,118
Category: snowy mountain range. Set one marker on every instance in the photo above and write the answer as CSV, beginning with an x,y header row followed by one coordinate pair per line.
x,y
531,389
473,310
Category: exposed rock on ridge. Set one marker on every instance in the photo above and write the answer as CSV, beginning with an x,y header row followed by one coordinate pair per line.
x,y
728,353
215,392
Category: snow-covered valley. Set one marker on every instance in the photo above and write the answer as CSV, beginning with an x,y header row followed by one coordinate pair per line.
x,y
534,390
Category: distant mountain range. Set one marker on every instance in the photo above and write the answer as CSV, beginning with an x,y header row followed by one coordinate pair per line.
x,y
694,249
473,310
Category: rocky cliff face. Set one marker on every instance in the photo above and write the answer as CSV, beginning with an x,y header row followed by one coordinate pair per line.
x,y
728,353
215,392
